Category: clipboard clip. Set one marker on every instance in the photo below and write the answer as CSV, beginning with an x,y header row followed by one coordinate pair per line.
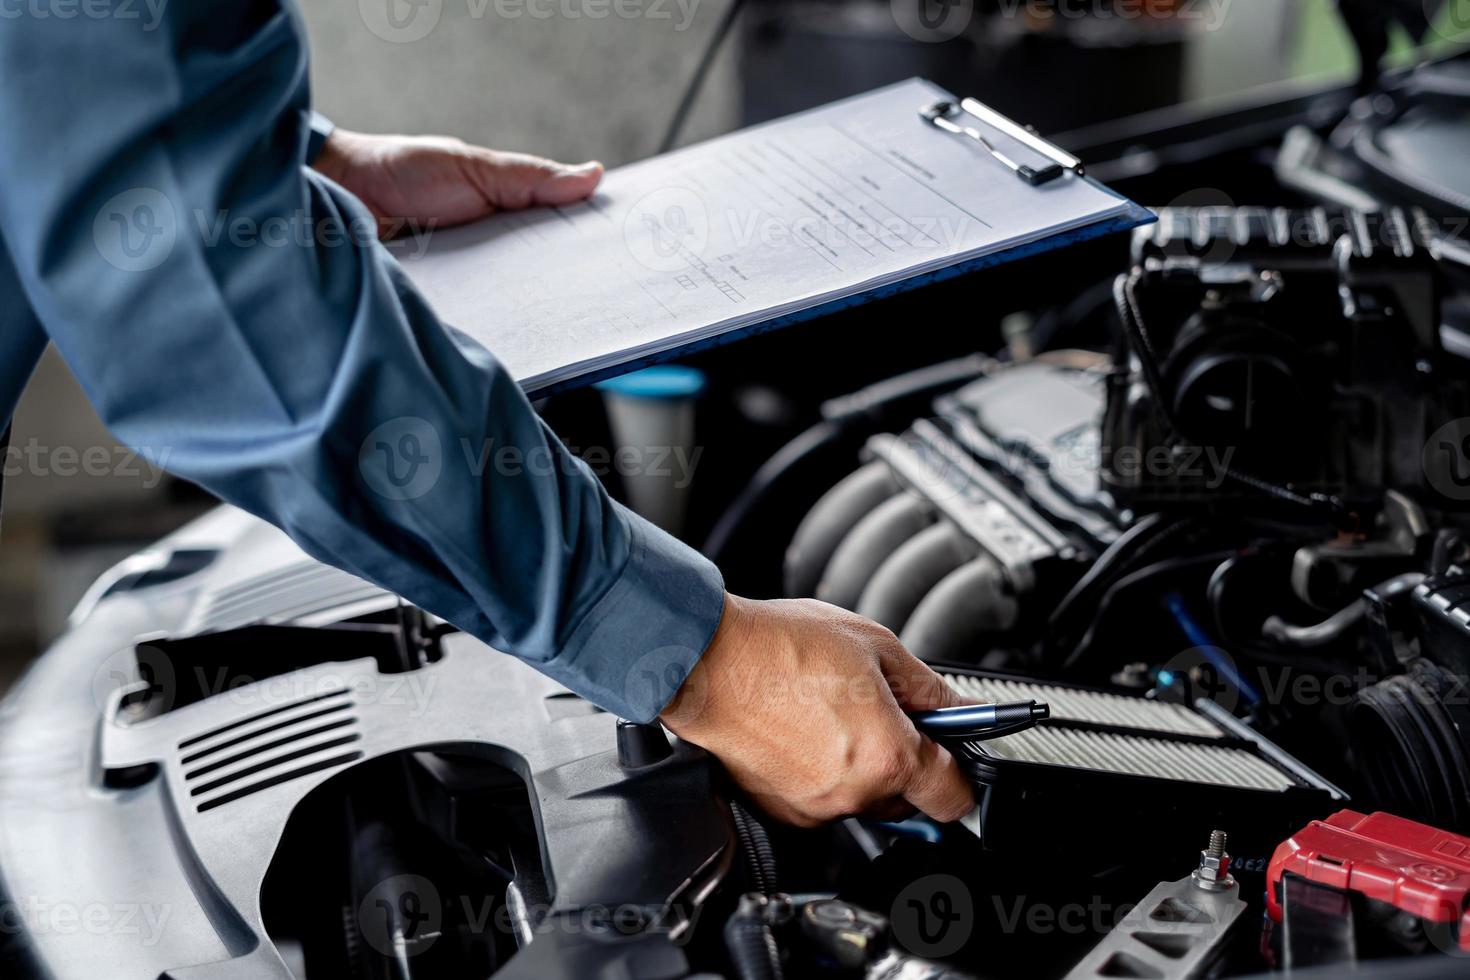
x,y
942,115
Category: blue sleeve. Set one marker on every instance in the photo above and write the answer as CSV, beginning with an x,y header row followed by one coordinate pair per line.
x,y
231,316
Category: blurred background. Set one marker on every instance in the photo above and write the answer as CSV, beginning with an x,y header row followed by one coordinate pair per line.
x,y
604,79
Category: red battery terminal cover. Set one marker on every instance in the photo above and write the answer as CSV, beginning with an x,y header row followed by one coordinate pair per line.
x,y
1413,867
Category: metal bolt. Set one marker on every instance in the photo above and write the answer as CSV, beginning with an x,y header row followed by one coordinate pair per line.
x,y
1213,873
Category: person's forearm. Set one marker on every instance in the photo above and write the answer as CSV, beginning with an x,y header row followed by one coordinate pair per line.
x,y
229,312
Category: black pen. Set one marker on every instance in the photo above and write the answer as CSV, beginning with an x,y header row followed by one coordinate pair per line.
x,y
977,722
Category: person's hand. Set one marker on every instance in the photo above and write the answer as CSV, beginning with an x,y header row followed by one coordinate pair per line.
x,y
804,704
422,182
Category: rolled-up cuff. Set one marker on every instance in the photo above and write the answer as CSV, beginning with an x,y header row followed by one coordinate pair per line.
x,y
631,653
320,129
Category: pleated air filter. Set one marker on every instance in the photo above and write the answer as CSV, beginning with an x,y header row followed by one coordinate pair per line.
x,y
1078,704
1109,754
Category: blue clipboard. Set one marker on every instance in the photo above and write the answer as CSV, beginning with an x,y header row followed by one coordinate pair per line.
x,y
1032,160
1135,216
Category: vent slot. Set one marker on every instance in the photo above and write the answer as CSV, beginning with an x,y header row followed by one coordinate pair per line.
x,y
284,777
287,740
196,739
271,763
293,737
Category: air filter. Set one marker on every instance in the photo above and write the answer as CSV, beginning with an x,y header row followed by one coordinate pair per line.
x,y
1131,764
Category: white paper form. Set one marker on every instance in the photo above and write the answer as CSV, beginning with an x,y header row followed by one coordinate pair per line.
x,y
744,228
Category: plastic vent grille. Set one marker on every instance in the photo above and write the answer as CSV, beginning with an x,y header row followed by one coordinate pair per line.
x,y
1192,762
1072,704
269,748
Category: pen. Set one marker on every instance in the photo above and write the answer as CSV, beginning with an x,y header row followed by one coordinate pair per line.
x,y
977,722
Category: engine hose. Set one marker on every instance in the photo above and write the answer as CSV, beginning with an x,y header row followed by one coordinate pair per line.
x,y
750,942
842,418
1166,567
1448,543
1407,745
1146,537
919,564
868,545
829,521
755,843
954,619
772,473
1125,297
872,402
1053,321
1121,550
1336,626
1317,635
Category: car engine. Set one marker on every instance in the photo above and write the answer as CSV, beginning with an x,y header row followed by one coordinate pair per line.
x,y
1211,505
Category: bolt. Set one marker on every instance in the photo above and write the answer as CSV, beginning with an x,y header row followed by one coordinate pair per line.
x,y
1213,873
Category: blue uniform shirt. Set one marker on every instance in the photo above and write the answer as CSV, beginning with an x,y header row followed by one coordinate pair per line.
x,y
231,316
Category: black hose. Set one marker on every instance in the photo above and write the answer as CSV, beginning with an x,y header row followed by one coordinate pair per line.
x,y
840,416
1146,537
1336,626
772,472
1053,321
1166,567
1317,635
1125,297
869,403
750,942
755,844
1119,551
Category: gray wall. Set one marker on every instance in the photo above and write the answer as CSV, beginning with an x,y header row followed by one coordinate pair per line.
x,y
519,74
